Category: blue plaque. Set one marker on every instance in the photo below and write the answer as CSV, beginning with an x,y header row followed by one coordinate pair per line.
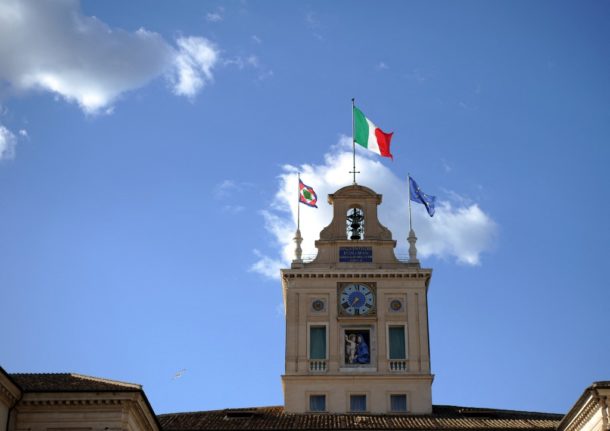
x,y
355,254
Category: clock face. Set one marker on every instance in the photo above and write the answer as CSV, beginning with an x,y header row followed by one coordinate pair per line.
x,y
356,299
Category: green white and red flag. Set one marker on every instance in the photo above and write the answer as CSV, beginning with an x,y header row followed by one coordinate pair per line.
x,y
307,195
367,134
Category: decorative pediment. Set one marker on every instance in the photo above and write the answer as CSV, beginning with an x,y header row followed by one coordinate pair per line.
x,y
364,201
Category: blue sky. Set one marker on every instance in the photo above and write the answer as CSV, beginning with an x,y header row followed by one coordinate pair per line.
x,y
147,166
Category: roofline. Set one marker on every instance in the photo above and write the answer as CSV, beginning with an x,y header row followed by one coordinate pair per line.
x,y
369,191
581,401
103,380
154,415
228,409
10,379
550,416
130,388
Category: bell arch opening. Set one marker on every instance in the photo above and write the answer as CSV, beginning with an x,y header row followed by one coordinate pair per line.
x,y
355,224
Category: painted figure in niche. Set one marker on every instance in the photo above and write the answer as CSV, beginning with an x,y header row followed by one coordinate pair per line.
x,y
350,348
356,349
362,351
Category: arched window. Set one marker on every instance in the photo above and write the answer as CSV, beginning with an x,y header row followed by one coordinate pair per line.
x,y
355,224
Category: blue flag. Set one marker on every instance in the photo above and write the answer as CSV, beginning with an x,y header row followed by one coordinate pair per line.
x,y
417,195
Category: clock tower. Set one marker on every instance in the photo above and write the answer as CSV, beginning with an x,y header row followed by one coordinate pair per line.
x,y
356,318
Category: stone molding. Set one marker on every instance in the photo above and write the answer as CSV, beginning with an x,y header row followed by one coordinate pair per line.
x,y
413,377
45,406
9,392
287,273
62,402
594,401
583,416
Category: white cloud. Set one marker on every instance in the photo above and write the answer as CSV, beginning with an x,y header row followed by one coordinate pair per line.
x,y
194,62
52,46
215,16
265,74
8,141
256,39
457,231
225,188
311,18
233,209
417,75
241,62
251,61
267,266
228,188
382,66
313,22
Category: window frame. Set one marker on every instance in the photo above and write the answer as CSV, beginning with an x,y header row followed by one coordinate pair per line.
x,y
357,394
317,325
317,394
390,395
387,340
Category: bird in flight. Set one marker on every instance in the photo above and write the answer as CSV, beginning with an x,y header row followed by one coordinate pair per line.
x,y
179,374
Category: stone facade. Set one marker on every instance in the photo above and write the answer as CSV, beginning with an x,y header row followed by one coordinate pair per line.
x,y
591,412
44,402
10,393
312,296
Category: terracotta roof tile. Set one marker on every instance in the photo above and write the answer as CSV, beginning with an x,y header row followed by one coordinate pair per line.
x,y
442,418
70,382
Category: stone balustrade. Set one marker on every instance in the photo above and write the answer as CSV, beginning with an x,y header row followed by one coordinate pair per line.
x,y
398,365
317,365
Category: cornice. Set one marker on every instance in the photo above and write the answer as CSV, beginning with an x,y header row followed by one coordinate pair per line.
x,y
9,392
586,406
133,403
70,402
7,396
407,377
354,191
339,273
147,422
581,416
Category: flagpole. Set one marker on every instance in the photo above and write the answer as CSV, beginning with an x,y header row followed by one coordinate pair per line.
x,y
353,139
411,238
299,202
298,239
409,187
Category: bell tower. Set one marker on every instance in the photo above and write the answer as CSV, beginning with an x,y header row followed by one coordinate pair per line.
x,y
357,318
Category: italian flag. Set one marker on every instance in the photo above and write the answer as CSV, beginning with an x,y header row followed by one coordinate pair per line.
x,y
370,136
